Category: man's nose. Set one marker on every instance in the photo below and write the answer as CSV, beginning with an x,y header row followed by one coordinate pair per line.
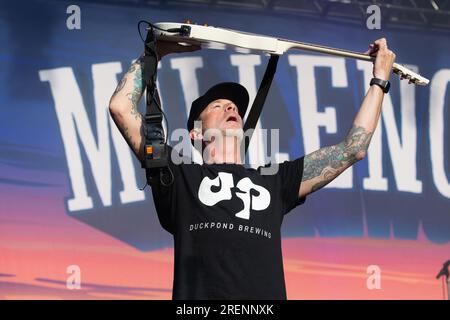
x,y
230,106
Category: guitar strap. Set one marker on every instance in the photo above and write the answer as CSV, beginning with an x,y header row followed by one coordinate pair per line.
x,y
156,150
261,95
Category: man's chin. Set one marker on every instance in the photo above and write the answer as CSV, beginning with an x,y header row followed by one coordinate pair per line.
x,y
234,132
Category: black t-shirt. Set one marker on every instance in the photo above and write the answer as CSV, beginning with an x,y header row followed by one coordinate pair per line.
x,y
226,221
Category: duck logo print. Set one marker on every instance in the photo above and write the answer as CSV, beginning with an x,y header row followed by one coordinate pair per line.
x,y
254,197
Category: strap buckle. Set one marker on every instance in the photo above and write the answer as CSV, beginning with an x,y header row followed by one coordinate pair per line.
x,y
153,118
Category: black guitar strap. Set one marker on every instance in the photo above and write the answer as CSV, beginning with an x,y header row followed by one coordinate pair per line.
x,y
258,103
155,149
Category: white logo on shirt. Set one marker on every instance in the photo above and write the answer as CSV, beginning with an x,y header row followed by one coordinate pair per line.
x,y
246,192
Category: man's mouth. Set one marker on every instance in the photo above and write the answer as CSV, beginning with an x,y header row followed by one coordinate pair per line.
x,y
232,118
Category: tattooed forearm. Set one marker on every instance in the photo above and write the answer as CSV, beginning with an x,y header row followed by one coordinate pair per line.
x,y
328,162
357,141
123,108
137,145
137,89
131,87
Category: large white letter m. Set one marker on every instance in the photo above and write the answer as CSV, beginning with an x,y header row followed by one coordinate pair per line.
x,y
75,126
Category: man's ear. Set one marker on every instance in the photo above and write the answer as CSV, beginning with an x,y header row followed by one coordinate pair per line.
x,y
195,134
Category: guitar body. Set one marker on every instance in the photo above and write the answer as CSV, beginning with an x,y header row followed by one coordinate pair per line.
x,y
219,38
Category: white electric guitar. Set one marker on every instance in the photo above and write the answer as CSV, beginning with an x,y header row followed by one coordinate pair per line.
x,y
220,38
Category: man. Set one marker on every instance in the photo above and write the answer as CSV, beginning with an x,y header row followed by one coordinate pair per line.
x,y
226,219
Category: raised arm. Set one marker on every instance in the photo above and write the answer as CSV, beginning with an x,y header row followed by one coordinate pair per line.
x,y
123,105
324,165
123,108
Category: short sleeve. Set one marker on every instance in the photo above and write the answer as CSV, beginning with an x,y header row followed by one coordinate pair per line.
x,y
290,174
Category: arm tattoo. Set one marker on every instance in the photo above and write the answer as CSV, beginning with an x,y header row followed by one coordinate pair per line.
x,y
124,79
135,75
328,162
138,88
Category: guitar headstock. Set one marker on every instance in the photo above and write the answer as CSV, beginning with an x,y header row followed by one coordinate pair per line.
x,y
411,76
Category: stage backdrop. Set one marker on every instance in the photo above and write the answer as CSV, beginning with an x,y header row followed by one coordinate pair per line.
x,y
70,204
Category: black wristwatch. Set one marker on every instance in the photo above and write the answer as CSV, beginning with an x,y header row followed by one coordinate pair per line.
x,y
383,84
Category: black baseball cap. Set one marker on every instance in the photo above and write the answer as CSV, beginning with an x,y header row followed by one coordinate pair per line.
x,y
225,90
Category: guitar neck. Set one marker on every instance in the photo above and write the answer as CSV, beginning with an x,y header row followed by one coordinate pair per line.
x,y
289,44
396,68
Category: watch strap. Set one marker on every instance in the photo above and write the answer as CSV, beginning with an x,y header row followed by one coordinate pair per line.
x,y
383,84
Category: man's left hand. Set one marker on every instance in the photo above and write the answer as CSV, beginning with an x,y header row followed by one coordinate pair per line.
x,y
384,59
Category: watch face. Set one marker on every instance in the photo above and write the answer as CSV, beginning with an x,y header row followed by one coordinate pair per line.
x,y
388,86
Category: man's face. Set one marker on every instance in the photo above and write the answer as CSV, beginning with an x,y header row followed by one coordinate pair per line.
x,y
221,114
